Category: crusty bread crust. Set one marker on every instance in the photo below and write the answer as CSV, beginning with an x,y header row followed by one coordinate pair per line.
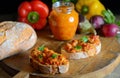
x,y
48,69
17,37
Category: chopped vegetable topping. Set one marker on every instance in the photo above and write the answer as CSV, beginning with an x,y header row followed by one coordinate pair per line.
x,y
78,47
84,39
41,48
46,56
54,56
40,56
84,44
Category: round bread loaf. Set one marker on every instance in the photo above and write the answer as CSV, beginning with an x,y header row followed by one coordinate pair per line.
x,y
15,37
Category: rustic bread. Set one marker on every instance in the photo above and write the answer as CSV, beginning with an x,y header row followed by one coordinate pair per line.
x,y
86,49
15,37
48,61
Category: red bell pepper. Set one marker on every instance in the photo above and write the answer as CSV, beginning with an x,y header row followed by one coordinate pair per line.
x,y
34,13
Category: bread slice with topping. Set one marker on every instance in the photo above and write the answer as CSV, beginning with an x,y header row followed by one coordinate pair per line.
x,y
84,47
48,61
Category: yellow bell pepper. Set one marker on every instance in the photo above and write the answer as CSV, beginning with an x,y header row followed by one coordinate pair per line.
x,y
89,7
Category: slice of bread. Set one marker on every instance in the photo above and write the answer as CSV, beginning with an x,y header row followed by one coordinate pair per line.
x,y
48,62
84,49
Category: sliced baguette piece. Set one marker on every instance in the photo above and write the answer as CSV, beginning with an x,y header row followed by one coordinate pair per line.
x,y
81,54
46,64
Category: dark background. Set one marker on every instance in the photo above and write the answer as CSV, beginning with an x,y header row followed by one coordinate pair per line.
x,y
8,8
113,5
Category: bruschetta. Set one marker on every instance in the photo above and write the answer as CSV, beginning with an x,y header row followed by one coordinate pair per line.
x,y
48,61
86,46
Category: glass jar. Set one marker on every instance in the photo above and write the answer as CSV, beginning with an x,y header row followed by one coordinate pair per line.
x,y
63,20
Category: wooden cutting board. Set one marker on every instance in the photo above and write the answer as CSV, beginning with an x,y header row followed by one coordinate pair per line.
x,y
92,67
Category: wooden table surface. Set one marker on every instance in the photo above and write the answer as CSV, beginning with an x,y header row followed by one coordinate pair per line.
x,y
98,66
